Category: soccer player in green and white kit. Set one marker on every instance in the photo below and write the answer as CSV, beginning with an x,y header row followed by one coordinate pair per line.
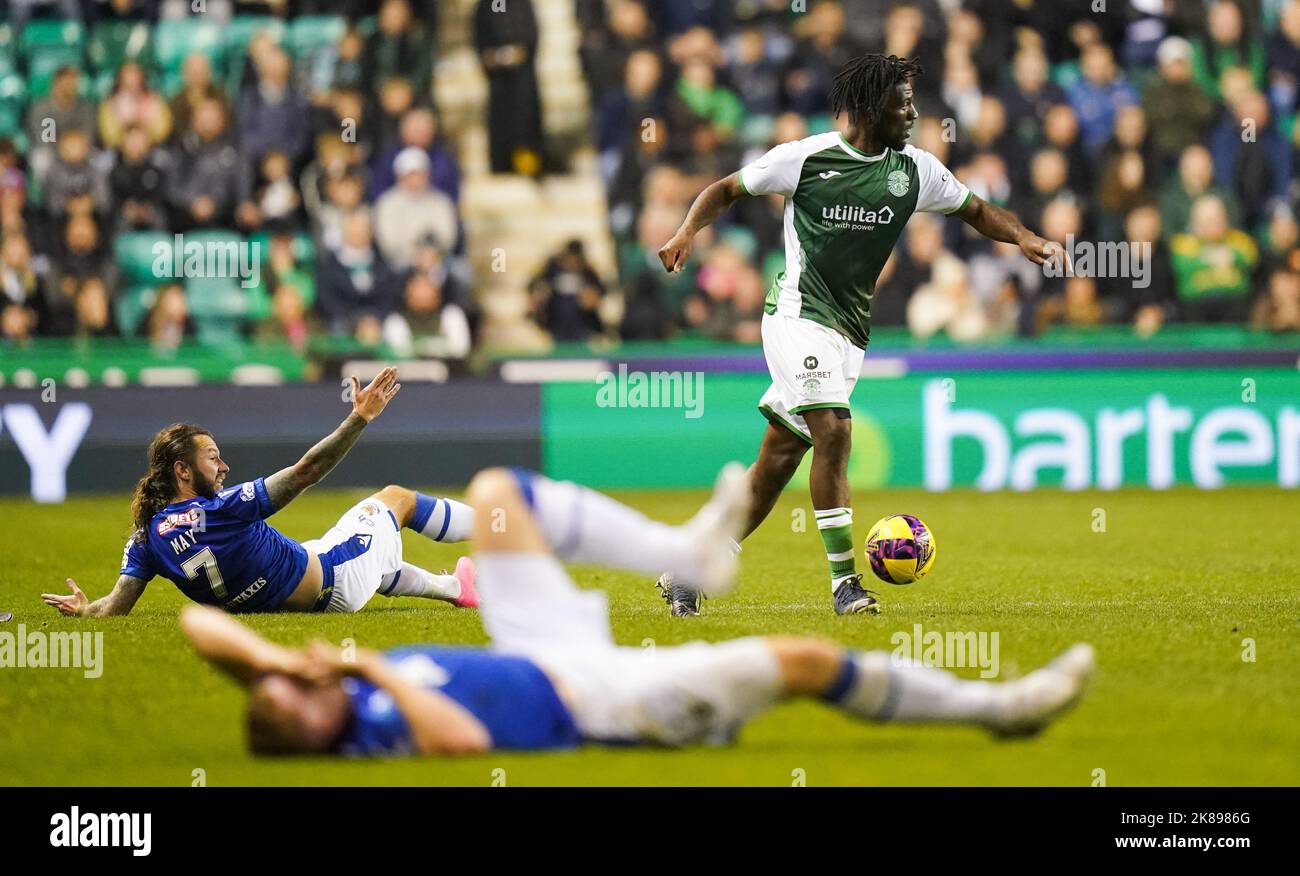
x,y
848,197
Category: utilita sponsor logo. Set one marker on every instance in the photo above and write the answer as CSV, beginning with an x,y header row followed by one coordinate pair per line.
x,y
77,829
854,214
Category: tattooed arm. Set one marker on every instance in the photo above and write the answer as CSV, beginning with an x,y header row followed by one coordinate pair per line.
x,y
287,484
120,600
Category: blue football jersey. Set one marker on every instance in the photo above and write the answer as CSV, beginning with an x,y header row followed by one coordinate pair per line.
x,y
220,551
511,696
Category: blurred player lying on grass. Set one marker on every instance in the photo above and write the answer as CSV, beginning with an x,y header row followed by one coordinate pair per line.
x,y
553,677
215,545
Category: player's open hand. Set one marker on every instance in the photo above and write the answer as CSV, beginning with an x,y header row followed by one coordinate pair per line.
x,y
368,403
1040,251
70,606
675,252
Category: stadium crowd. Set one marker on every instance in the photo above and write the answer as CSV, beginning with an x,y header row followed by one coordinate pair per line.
x,y
1171,122
310,127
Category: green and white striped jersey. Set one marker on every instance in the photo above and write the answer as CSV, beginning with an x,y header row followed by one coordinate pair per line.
x,y
844,211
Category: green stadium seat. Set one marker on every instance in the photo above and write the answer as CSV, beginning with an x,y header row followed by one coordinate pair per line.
x,y
8,50
218,298
131,307
239,33
174,40
216,332
112,42
43,34
13,103
311,34
135,255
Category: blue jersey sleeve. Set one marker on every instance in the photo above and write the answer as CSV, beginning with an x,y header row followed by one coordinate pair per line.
x,y
247,502
135,558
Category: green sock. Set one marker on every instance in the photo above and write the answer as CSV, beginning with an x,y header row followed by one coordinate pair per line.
x,y
836,528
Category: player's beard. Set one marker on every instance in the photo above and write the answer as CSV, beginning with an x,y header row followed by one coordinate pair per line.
x,y
204,487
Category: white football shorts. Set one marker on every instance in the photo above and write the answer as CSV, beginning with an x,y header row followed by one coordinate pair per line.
x,y
361,548
812,367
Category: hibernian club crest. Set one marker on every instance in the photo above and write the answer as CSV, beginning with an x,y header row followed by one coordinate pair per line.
x,y
899,182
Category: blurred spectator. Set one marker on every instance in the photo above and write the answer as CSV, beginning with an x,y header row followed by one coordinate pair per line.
x,y
1076,307
205,172
400,47
1149,307
272,116
94,311
196,87
567,295
507,45
609,37
1179,112
343,195
275,194
1195,178
430,325
822,49
418,128
412,210
1251,158
73,183
168,322
132,103
356,290
624,112
349,72
23,294
291,320
64,109
82,256
1213,265
137,182
396,99
1278,309
1098,94
756,71
946,304
1284,60
729,302
912,266
1029,95
1061,131
1227,44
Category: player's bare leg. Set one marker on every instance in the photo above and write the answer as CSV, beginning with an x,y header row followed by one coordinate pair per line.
x,y
778,459
441,520
832,434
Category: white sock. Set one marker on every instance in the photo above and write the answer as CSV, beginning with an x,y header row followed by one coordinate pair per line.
x,y
411,580
584,526
876,687
442,519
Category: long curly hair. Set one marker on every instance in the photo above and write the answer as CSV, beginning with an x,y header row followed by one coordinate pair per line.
x,y
155,490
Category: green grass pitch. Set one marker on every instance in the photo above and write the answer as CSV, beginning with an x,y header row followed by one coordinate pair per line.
x,y
1168,595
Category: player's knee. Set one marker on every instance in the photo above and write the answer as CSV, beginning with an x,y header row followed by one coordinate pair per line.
x,y
400,500
808,666
492,487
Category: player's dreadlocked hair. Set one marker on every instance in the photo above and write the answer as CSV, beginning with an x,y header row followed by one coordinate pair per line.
x,y
155,490
864,84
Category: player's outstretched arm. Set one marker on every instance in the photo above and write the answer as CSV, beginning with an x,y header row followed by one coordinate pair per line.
x,y
711,203
120,600
1002,225
238,651
288,483
438,724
